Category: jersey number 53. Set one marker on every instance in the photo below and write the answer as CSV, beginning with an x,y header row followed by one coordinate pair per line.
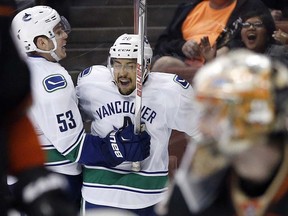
x,y
66,121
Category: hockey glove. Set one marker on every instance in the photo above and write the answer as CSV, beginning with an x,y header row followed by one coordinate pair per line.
x,y
42,193
124,145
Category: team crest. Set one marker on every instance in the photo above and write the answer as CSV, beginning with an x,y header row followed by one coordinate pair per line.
x,y
54,82
181,82
85,72
27,17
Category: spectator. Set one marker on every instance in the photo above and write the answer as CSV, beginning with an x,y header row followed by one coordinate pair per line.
x,y
278,8
177,48
42,34
261,39
107,98
276,14
241,166
257,34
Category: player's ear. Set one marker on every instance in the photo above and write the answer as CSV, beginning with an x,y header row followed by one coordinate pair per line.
x,y
42,43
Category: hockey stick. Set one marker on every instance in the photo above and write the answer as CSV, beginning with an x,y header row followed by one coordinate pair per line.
x,y
139,28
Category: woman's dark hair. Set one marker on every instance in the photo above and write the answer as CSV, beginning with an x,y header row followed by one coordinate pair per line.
x,y
267,20
268,23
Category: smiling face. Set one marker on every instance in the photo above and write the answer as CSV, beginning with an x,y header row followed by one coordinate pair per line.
x,y
125,75
254,36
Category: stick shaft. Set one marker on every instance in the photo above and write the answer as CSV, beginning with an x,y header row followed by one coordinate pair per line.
x,y
139,28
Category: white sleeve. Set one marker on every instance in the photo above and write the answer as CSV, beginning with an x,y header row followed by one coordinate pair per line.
x,y
182,110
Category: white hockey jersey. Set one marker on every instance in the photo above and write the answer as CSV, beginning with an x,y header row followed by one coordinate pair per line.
x,y
55,114
167,103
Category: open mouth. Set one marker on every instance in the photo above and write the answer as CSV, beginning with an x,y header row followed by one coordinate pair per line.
x,y
124,82
251,37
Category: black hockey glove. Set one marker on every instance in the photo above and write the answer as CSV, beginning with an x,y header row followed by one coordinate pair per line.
x,y
42,193
124,145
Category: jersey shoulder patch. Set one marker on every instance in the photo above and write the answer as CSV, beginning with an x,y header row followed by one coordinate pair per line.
x,y
54,82
96,69
182,82
85,72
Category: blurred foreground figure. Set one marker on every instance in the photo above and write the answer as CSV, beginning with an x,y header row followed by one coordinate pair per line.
x,y
241,167
37,192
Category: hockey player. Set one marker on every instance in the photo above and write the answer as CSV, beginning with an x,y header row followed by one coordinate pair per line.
x,y
106,97
20,152
241,168
42,34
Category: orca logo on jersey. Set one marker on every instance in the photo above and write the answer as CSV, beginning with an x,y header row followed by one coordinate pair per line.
x,y
181,82
114,145
54,82
86,72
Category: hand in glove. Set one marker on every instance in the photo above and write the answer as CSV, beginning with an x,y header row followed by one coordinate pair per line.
x,y
124,145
